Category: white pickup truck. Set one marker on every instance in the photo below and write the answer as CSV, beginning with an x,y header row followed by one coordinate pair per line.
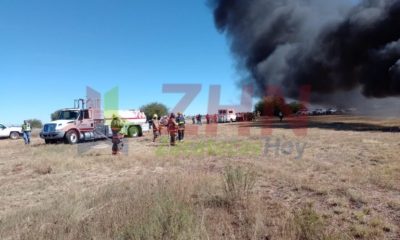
x,y
10,132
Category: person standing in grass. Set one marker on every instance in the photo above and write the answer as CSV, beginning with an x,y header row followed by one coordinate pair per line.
x,y
26,130
116,126
156,127
199,119
172,128
215,118
181,126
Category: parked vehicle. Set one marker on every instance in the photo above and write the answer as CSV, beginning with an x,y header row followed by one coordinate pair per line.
x,y
80,124
318,112
240,117
303,112
226,115
135,122
244,116
10,132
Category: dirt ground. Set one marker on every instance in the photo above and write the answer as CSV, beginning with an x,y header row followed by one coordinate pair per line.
x,y
339,179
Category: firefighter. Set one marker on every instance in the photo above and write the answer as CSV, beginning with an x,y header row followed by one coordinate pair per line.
x,y
26,130
198,117
215,118
156,127
116,126
181,126
172,127
163,123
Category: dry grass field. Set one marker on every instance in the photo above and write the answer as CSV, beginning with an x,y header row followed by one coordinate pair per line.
x,y
339,181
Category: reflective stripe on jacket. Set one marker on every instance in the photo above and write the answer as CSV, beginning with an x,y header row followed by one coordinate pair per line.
x,y
181,120
26,127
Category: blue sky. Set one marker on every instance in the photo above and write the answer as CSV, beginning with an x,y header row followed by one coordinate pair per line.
x,y
51,50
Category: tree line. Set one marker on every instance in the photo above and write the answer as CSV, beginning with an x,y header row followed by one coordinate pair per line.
x,y
272,105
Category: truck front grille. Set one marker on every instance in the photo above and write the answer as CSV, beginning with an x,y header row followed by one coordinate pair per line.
x,y
49,128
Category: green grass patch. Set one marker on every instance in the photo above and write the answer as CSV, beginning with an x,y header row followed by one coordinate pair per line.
x,y
204,148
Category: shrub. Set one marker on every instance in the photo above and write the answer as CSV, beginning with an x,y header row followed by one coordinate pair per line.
x,y
154,108
238,183
168,218
35,123
308,224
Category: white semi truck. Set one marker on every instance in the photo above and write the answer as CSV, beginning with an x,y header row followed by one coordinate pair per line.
x,y
79,124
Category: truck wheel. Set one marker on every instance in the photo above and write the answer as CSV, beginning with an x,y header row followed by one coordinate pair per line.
x,y
72,137
133,131
14,135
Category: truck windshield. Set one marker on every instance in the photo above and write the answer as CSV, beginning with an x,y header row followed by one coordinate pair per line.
x,y
68,115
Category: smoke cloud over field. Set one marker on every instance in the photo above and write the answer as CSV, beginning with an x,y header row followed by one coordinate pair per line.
x,y
332,46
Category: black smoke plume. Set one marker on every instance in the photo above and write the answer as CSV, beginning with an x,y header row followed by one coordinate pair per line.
x,y
329,45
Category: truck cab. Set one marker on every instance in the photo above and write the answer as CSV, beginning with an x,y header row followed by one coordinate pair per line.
x,y
73,125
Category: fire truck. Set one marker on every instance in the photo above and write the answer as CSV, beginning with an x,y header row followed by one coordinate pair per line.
x,y
135,122
80,124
